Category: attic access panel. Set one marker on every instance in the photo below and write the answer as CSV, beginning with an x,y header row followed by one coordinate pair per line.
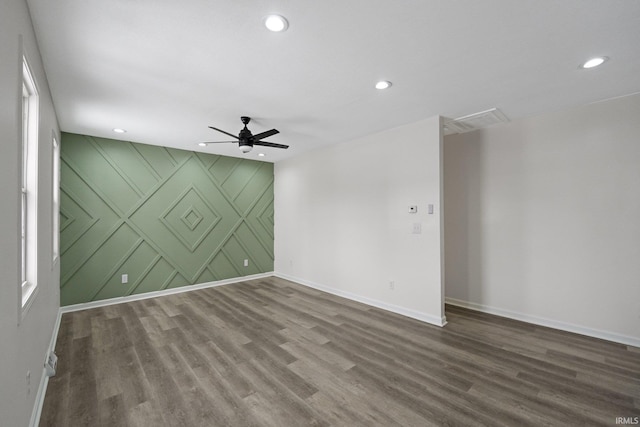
x,y
474,121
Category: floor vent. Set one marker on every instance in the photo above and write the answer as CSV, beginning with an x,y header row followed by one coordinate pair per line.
x,y
474,121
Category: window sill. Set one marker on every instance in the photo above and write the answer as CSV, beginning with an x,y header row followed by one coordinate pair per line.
x,y
29,292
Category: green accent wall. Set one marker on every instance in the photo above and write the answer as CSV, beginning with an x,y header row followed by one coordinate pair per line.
x,y
166,217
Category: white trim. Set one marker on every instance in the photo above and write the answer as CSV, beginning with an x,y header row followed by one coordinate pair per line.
x,y
44,379
30,146
28,291
541,321
147,295
55,199
414,314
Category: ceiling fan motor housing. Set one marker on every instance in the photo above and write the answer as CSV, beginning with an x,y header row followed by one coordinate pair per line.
x,y
245,134
246,140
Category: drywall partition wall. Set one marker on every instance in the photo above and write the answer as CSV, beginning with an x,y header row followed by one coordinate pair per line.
x,y
543,219
24,339
343,222
164,217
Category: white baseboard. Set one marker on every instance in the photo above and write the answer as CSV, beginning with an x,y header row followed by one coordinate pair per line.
x,y
146,295
42,389
414,314
44,379
568,327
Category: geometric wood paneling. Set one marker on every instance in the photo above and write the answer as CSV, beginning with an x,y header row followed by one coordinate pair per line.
x,y
165,217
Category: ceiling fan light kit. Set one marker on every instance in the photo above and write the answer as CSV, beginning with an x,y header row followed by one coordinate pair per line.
x,y
246,140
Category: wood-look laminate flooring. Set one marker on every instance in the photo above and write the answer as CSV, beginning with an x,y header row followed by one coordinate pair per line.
x,y
271,352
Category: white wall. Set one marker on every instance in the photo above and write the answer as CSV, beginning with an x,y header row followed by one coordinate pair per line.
x,y
342,221
23,346
543,219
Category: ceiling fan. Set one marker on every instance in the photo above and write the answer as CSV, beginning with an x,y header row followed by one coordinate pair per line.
x,y
246,140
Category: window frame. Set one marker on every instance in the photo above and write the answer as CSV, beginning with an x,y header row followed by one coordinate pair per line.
x,y
28,189
55,199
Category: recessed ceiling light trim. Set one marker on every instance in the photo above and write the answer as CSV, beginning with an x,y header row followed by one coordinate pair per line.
x,y
276,23
119,130
383,84
260,154
594,62
202,144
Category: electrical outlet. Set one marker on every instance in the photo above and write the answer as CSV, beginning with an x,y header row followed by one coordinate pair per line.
x,y
125,278
417,228
246,263
392,284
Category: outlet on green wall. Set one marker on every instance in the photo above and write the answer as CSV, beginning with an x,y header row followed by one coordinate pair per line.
x,y
165,217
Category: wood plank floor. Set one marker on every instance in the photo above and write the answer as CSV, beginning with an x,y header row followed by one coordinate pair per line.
x,y
273,353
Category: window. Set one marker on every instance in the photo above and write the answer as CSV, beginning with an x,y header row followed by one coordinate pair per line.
x,y
29,186
55,199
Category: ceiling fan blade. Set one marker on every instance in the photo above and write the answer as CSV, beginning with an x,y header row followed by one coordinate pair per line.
x,y
270,144
226,133
266,134
218,142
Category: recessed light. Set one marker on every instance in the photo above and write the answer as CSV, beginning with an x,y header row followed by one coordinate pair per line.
x,y
202,144
260,154
383,84
276,23
118,130
594,62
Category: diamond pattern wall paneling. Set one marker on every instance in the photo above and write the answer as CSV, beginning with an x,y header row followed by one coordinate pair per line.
x,y
165,217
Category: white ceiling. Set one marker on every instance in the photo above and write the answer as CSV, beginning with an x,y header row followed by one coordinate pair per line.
x,y
166,69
